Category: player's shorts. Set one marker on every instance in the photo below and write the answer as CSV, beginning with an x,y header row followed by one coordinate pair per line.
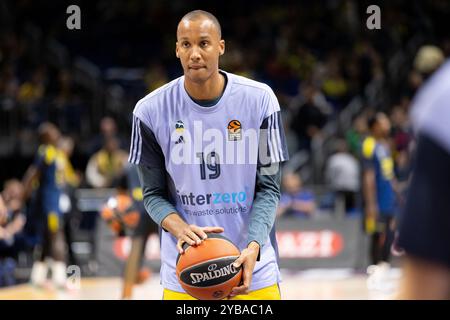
x,y
384,221
268,293
45,212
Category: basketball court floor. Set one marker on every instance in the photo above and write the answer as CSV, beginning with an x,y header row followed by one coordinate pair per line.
x,y
314,284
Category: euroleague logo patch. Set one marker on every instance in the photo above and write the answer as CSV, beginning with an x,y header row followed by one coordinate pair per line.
x,y
234,130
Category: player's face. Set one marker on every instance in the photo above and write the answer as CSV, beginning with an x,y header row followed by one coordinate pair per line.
x,y
53,135
384,125
198,47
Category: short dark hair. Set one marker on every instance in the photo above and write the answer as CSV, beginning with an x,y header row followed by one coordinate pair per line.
x,y
373,119
196,14
44,131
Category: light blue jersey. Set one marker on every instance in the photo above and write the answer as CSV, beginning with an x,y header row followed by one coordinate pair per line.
x,y
211,155
429,111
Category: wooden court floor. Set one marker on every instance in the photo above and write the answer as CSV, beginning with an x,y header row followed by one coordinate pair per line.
x,y
306,285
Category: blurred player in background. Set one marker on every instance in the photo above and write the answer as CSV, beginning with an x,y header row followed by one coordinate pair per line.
x,y
134,272
126,216
424,231
72,180
378,192
43,182
229,104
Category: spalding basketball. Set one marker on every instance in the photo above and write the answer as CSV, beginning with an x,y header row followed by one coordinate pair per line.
x,y
206,271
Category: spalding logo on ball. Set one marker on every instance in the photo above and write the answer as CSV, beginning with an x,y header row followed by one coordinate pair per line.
x,y
206,271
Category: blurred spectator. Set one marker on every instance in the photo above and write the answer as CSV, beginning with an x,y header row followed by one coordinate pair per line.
x,y
155,77
108,129
310,114
31,95
34,89
401,131
402,138
67,107
11,225
291,136
334,85
106,165
9,87
295,201
356,134
343,175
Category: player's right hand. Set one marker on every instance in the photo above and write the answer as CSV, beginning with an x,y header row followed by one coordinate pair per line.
x,y
194,235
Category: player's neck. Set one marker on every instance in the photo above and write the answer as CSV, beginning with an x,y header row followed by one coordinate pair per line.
x,y
380,138
208,90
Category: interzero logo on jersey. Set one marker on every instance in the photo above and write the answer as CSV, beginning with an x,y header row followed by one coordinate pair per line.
x,y
212,198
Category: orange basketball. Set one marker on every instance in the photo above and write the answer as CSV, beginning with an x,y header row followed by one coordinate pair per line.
x,y
119,213
206,271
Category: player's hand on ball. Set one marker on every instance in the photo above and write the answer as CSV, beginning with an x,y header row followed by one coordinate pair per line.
x,y
194,235
248,260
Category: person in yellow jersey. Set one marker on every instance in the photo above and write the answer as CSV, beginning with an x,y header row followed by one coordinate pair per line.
x,y
380,201
43,182
106,165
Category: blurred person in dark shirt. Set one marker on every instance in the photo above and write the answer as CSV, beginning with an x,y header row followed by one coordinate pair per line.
x,y
295,201
11,226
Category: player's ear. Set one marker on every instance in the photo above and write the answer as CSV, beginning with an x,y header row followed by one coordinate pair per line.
x,y
176,50
221,47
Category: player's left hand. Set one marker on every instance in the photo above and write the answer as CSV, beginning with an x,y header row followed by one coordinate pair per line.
x,y
248,260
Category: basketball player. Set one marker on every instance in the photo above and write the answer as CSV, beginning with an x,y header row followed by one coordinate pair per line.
x,y
43,181
379,195
190,185
424,231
